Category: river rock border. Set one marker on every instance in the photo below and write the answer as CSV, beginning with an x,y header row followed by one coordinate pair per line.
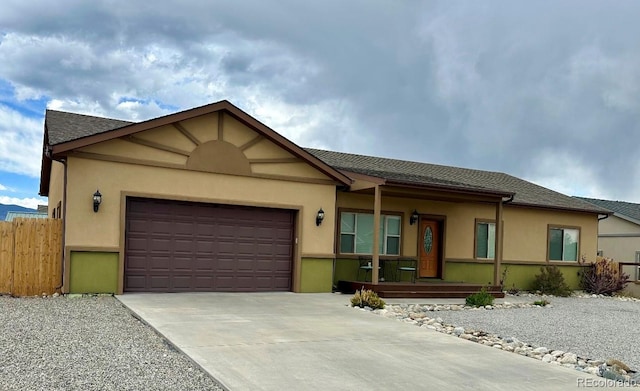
x,y
420,315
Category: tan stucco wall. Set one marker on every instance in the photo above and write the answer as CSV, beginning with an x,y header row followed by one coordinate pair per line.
x,y
102,229
56,187
525,230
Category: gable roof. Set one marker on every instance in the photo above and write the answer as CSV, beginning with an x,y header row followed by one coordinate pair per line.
x,y
67,131
625,210
406,172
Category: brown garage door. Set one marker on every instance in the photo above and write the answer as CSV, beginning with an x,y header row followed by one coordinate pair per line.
x,y
187,247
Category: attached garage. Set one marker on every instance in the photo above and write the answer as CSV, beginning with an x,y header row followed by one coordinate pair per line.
x,y
175,246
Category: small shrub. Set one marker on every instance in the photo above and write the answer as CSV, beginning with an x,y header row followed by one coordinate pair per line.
x,y
479,299
503,281
503,277
550,281
367,298
603,277
541,303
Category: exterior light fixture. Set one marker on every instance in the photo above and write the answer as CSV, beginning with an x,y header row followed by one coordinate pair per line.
x,y
97,200
414,217
319,217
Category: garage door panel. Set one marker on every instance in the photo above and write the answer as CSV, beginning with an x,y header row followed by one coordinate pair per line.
x,y
245,265
136,282
182,245
203,282
160,227
225,264
158,263
158,281
159,244
179,246
181,282
203,265
137,244
225,282
180,264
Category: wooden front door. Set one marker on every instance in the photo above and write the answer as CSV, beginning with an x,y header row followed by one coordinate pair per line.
x,y
429,248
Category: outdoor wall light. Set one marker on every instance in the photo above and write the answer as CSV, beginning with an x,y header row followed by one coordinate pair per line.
x,y
97,200
414,217
319,217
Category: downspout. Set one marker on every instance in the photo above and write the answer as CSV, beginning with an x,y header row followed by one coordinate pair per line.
x,y
604,217
64,222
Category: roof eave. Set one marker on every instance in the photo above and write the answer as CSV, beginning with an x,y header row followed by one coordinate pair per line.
x,y
473,191
554,207
45,166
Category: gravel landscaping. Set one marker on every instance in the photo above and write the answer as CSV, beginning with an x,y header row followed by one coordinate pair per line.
x,y
593,334
87,343
591,327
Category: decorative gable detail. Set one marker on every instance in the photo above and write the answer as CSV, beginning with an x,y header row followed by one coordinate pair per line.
x,y
220,157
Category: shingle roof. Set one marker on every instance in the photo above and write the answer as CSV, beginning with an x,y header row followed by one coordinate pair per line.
x,y
626,209
526,193
63,126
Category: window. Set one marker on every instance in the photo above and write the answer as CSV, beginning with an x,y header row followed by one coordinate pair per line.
x,y
485,240
356,234
563,244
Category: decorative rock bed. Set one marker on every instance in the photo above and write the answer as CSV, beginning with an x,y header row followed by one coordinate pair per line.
x,y
423,316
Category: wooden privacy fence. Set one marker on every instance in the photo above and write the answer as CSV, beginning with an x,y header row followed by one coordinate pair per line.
x,y
30,256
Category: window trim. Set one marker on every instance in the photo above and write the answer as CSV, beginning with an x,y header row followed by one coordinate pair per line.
x,y
475,238
561,226
382,239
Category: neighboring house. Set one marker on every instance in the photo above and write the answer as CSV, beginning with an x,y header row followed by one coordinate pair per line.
x,y
210,199
27,215
619,235
4,209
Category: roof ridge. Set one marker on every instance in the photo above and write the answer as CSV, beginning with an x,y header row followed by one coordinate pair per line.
x,y
605,200
409,161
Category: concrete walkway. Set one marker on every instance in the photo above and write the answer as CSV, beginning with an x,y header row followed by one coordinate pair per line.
x,y
287,341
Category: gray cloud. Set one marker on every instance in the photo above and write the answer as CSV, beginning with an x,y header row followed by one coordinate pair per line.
x,y
543,90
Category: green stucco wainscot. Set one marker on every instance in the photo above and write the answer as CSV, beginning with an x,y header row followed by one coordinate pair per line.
x,y
518,276
316,275
93,272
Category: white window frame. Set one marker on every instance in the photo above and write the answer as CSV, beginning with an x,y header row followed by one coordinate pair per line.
x,y
491,247
563,229
384,223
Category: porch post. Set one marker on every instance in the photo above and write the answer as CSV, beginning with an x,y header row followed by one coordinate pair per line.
x,y
498,242
375,253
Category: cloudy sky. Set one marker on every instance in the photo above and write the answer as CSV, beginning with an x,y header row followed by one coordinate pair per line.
x,y
548,91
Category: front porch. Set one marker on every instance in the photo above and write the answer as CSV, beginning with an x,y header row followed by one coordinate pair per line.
x,y
420,289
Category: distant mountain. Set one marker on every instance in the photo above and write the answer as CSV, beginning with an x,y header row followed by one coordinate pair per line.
x,y
13,208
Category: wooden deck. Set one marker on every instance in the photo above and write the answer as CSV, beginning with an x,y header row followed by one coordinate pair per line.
x,y
419,289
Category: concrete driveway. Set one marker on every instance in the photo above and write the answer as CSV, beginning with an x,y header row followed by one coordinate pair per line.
x,y
287,341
